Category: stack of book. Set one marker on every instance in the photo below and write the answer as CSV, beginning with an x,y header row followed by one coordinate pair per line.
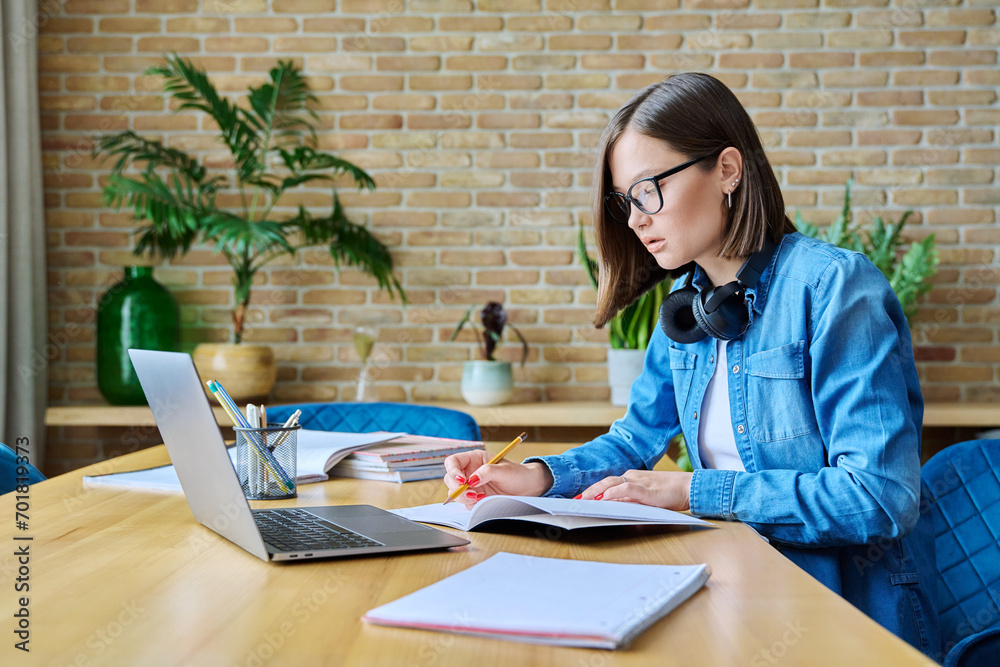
x,y
403,459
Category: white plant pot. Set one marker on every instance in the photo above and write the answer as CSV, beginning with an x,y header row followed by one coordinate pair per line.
x,y
487,382
624,366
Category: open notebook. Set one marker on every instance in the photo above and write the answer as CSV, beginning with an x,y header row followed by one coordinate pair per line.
x,y
547,600
316,451
564,513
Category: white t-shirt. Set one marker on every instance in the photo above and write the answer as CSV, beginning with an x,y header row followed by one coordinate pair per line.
x,y
716,443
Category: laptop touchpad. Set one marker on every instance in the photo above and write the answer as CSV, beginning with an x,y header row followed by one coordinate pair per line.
x,y
366,519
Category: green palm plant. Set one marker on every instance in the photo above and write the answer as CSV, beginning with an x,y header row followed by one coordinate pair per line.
x,y
909,273
272,143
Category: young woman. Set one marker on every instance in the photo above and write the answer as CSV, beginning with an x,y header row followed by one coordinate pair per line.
x,y
801,407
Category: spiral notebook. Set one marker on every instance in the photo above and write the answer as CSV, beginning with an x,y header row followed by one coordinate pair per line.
x,y
547,600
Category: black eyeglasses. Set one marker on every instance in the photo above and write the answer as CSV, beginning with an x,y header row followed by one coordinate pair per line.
x,y
644,193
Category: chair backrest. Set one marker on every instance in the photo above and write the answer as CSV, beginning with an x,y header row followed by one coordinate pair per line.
x,y
368,417
964,484
8,470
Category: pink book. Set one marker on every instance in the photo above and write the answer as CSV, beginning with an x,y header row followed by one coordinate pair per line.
x,y
414,447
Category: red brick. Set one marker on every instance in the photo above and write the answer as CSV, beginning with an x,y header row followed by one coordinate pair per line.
x,y
304,6
333,25
129,25
172,43
97,6
471,23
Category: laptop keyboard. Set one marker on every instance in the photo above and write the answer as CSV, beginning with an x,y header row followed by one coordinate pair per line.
x,y
293,529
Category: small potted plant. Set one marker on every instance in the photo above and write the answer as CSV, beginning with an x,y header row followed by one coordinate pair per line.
x,y
179,201
488,381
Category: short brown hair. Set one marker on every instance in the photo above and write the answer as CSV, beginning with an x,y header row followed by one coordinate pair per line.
x,y
696,115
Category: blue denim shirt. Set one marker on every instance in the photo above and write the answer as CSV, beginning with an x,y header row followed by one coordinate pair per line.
x,y
826,414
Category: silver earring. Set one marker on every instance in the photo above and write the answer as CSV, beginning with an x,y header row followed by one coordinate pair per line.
x,y
730,196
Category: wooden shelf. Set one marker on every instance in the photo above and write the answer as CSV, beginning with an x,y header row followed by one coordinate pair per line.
x,y
558,413
979,415
109,415
563,413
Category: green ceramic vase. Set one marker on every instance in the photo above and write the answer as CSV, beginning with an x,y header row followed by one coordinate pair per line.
x,y
135,312
487,382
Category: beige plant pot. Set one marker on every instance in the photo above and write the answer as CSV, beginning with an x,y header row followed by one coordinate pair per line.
x,y
624,368
246,371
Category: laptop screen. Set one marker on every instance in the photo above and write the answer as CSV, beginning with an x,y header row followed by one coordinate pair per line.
x,y
187,425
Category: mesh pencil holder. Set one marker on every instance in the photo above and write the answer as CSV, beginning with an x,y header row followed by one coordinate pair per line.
x,y
266,461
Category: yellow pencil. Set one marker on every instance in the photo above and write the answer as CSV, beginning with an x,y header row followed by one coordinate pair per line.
x,y
499,457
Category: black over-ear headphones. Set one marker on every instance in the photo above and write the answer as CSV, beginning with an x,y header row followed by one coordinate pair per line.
x,y
689,314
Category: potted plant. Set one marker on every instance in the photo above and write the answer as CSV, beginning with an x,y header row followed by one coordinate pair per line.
x,y
488,381
909,272
629,331
272,143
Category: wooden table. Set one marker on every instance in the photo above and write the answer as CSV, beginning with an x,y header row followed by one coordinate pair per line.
x,y
553,414
129,578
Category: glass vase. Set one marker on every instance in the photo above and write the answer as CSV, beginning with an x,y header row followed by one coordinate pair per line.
x,y
135,312
364,340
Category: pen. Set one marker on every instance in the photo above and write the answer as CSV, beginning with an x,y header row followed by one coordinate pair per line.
x,y
253,417
291,421
255,473
229,406
265,455
499,457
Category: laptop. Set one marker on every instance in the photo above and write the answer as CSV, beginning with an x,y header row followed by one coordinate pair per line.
x,y
193,439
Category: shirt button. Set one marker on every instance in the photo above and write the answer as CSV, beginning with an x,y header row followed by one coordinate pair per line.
x,y
695,414
736,368
740,429
711,359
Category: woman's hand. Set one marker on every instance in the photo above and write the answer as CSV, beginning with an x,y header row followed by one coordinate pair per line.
x,y
504,478
670,490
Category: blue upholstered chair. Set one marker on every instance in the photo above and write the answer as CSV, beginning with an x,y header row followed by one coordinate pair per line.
x,y
8,470
964,483
368,417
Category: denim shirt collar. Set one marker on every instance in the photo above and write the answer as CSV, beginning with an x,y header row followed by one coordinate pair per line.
x,y
756,295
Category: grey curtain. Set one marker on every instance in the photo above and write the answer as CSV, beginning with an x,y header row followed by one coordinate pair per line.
x,y
23,358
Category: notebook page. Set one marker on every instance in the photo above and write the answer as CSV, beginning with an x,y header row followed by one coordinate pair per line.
x,y
162,478
572,522
547,600
317,451
455,514
611,510
503,507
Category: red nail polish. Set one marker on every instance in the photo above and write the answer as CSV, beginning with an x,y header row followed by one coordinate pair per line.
x,y
471,494
578,496
480,496
598,496
474,480
459,479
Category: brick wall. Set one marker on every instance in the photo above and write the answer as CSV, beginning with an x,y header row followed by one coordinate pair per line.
x,y
478,120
